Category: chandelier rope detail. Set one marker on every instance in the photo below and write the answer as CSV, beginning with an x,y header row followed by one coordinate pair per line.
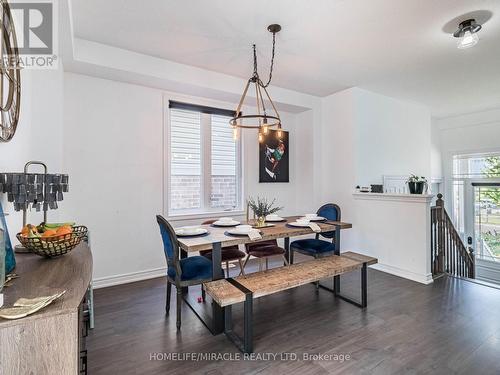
x,y
265,118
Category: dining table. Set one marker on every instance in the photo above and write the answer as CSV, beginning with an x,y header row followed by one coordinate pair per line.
x,y
218,237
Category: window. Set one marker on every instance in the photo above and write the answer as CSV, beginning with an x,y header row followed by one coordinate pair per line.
x,y
204,161
476,201
476,166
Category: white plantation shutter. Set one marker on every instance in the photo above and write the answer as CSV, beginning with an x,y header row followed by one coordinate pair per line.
x,y
223,182
185,142
223,147
185,160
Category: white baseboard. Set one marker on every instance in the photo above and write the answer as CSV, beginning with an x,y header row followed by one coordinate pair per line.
x,y
419,278
103,282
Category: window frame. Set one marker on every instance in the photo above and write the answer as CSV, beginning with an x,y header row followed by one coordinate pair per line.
x,y
466,203
206,164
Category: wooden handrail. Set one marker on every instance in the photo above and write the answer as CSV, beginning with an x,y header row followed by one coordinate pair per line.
x,y
449,254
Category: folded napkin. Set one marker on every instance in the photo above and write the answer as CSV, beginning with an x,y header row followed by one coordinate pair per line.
x,y
254,235
315,227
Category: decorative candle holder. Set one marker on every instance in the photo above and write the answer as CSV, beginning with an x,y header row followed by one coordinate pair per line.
x,y
38,191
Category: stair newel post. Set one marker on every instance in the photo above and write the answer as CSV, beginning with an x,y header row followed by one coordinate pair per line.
x,y
441,234
472,260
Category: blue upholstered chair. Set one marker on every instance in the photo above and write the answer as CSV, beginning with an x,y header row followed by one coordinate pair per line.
x,y
185,272
317,247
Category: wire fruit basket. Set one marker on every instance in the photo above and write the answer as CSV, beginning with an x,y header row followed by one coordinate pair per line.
x,y
54,246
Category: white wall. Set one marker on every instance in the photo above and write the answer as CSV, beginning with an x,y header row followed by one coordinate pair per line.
x,y
436,153
38,136
364,136
113,151
392,137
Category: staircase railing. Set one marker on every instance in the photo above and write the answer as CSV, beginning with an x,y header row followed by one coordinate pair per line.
x,y
448,252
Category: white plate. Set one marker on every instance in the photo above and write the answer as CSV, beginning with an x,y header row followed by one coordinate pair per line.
x,y
182,232
275,219
317,218
226,223
295,224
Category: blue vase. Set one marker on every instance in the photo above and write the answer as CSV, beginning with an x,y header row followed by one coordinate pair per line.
x,y
10,260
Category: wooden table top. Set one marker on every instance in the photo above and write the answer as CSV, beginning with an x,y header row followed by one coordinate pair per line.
x,y
279,230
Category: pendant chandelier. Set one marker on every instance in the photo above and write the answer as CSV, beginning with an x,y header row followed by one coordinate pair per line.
x,y
265,118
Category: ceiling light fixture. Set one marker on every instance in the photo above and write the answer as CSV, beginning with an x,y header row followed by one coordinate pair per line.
x,y
262,120
467,33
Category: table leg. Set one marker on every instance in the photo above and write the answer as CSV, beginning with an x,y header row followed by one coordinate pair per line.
x,y
91,305
288,253
217,273
211,316
336,279
184,255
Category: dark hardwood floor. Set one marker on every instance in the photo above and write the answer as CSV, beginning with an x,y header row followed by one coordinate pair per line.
x,y
449,327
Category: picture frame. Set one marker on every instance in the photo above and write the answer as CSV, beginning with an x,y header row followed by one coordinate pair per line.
x,y
274,160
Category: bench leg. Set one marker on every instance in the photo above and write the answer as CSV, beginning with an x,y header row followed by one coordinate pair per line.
x,y
336,285
248,333
245,344
364,290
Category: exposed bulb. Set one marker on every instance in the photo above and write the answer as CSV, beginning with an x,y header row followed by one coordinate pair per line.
x,y
467,40
261,137
235,134
265,129
279,133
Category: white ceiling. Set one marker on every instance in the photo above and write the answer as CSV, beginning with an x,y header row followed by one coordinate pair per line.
x,y
397,48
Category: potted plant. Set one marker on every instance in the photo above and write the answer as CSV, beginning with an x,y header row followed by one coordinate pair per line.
x,y
261,208
416,184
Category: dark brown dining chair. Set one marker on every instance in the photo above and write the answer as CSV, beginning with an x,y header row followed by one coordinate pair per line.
x,y
264,250
228,253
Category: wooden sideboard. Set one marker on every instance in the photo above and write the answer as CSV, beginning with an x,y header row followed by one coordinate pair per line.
x,y
51,341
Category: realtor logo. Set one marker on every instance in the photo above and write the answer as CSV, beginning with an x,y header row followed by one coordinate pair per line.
x,y
36,31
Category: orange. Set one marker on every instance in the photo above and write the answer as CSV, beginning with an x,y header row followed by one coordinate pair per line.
x,y
25,231
49,233
64,230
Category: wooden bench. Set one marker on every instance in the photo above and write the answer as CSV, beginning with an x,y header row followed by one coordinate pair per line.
x,y
227,292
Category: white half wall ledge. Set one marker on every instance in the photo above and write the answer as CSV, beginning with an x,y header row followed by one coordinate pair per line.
x,y
411,198
395,229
